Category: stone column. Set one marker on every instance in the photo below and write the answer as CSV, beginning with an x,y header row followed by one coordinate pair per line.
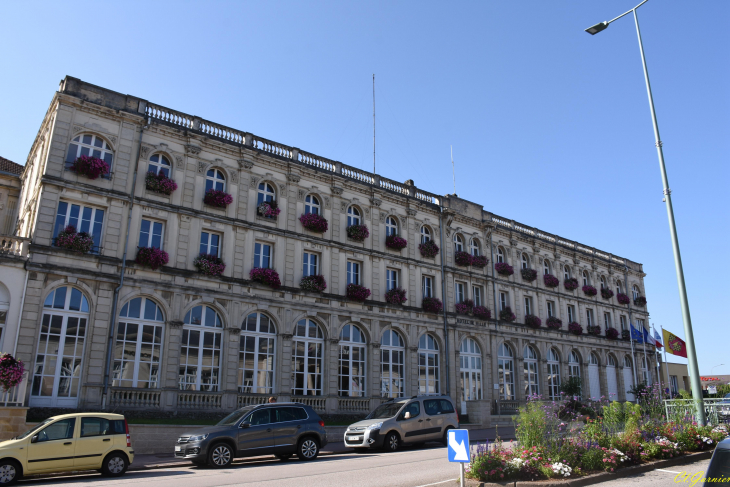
x,y
283,373
374,369
413,386
170,376
230,347
331,375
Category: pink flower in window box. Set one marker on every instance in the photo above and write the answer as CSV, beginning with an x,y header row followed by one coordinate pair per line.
x,y
91,167
465,307
589,290
313,283
395,242
507,315
482,313
429,249
210,265
152,257
268,209
397,295
462,258
217,198
529,275
612,333
550,280
357,232
622,298
11,371
159,183
575,328
268,277
314,222
356,292
432,305
554,322
479,260
504,269
571,284
606,293
640,301
74,241
533,321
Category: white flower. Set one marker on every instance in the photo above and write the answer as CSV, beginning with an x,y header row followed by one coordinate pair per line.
x,y
561,469
620,456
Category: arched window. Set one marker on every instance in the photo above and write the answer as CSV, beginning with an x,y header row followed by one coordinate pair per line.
x,y
586,279
525,261
425,234
138,345
619,288
392,362
391,226
428,365
546,267
611,380
506,372
635,291
159,164
215,179
311,205
353,216
593,380
200,355
573,364
474,247
90,146
256,355
566,272
628,378
470,358
530,372
59,358
306,357
553,365
603,283
352,362
500,255
266,193
458,243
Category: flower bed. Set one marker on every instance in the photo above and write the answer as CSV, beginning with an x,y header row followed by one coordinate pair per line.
x,y
397,295
356,292
465,307
313,283
612,333
432,305
159,183
571,284
606,293
210,265
622,298
219,199
11,371
357,232
507,315
503,269
395,242
152,257
532,321
640,301
589,290
69,239
428,249
91,167
268,209
554,323
314,223
482,313
268,277
575,328
594,330
550,280
528,275
462,258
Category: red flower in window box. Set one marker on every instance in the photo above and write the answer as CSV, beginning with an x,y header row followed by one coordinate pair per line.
x,y
533,321
395,242
429,249
571,284
550,280
503,269
314,222
69,239
622,298
220,199
356,292
152,257
589,290
268,277
396,295
91,167
432,305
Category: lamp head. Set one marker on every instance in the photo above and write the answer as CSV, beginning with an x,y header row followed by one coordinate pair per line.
x,y
593,30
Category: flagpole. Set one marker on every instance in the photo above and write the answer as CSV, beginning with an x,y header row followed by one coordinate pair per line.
x,y
633,357
646,362
656,360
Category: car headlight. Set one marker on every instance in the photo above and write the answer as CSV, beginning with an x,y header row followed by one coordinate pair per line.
x,y
198,437
375,426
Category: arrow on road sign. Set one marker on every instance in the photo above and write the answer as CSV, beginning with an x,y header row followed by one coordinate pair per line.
x,y
459,447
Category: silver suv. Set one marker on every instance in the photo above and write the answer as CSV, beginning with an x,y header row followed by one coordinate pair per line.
x,y
404,421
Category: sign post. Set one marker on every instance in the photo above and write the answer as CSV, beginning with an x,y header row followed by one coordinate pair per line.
x,y
458,449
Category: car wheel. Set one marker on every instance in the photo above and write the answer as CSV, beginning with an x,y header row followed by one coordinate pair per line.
x,y
392,442
115,464
284,458
220,455
445,439
308,449
9,472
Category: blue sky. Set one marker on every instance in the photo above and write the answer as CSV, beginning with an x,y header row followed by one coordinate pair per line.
x,y
550,126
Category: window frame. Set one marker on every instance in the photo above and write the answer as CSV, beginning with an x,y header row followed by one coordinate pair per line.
x,y
427,285
151,233
307,265
458,243
259,256
506,372
159,166
546,267
503,300
459,292
80,217
474,247
425,234
157,343
354,272
268,351
528,305
104,149
209,244
553,378
309,344
350,345
550,306
354,216
476,292
202,328
391,226
392,279
429,374
212,181
312,205
525,261
530,375
388,379
471,369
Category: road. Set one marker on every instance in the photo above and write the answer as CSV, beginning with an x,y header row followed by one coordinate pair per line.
x,y
662,477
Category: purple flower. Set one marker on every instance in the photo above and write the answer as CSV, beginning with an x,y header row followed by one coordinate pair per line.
x,y
640,301
11,371
357,232
479,260
482,312
432,305
594,330
428,249
622,298
575,328
356,292
462,258
606,293
507,315
532,321
91,167
554,322
268,277
504,269
152,257
314,222
550,280
268,209
159,183
210,265
589,290
396,295
313,283
465,307
571,284
612,333
69,239
395,242
214,197
528,275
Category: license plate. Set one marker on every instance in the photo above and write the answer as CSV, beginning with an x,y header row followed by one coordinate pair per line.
x,y
178,448
354,438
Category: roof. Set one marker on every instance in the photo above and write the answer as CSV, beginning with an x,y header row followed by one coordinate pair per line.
x,y
84,415
11,167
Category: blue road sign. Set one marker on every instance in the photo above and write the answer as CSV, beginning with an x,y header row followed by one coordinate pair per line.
x,y
458,447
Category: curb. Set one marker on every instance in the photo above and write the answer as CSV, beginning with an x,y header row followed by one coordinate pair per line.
x,y
599,477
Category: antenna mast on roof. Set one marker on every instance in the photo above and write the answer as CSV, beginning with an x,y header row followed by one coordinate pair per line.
x,y
453,170
373,123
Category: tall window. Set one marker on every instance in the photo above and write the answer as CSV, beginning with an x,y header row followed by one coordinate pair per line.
x,y
57,370
391,226
266,193
214,179
607,320
138,345
528,305
525,261
628,378
500,254
546,269
505,371
262,255
622,318
82,218
353,272
550,309
210,243
159,164
530,372
3,319
307,353
619,288
474,247
427,286
391,279
553,366
566,272
470,358
90,146
477,293
352,362
310,264
425,234
200,355
150,234
571,313
256,355
603,283
353,216
311,205
635,291
459,292
503,301
392,364
428,365
589,317
593,380
573,364
611,379
458,243
586,280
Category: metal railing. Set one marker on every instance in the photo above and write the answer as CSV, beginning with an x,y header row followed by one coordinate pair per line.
x,y
15,396
716,410
502,407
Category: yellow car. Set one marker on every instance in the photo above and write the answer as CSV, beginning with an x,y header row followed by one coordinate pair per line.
x,y
71,442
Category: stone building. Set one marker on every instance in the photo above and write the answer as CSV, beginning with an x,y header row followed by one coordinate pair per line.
x,y
101,329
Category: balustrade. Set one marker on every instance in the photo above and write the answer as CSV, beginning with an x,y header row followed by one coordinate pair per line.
x,y
251,399
167,115
315,402
316,161
272,147
199,400
14,246
347,404
15,396
135,398
353,173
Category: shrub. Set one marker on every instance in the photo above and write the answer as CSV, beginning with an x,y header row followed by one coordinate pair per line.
x,y
589,290
622,298
219,199
11,371
268,209
482,312
606,293
159,183
69,239
396,295
612,333
462,258
429,249
356,292
594,330
395,242
268,277
91,167
571,284
531,425
357,232
465,307
152,257
507,315
210,265
432,305
532,321
575,328
314,222
503,269
640,301
554,322
571,387
550,280
528,275
313,283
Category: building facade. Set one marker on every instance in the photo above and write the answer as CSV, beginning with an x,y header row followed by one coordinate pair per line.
x,y
102,329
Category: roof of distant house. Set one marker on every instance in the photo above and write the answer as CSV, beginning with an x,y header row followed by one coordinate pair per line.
x,y
10,166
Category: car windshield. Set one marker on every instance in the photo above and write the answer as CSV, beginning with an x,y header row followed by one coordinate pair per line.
x,y
235,416
34,428
385,411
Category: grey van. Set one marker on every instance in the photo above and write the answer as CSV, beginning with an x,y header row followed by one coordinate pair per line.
x,y
280,429
404,421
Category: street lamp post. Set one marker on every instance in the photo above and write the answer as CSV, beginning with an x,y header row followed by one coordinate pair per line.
x,y
689,335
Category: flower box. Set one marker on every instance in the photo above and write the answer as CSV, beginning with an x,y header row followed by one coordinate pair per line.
x,y
357,232
314,222
640,301
503,269
428,249
589,290
606,293
11,371
528,275
159,183
594,330
571,284
432,305
479,260
554,322
268,277
69,239
507,315
268,209
210,265
219,199
533,321
575,328
482,313
91,167
151,257
395,242
356,292
625,335
550,280
462,258
622,298
313,283
396,295
612,333
465,307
